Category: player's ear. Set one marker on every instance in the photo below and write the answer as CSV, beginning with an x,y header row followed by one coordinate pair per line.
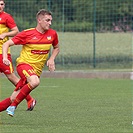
x,y
39,19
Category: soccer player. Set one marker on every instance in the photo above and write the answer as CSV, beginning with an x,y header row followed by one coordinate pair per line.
x,y
36,46
8,28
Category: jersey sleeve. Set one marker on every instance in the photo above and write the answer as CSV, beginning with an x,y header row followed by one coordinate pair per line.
x,y
20,38
10,22
55,42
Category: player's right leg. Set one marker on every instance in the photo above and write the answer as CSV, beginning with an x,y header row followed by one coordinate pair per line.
x,y
9,72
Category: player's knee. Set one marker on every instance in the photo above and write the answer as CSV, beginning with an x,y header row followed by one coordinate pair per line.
x,y
35,83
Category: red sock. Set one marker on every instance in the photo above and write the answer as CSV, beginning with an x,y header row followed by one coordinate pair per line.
x,y
19,85
25,90
5,104
28,98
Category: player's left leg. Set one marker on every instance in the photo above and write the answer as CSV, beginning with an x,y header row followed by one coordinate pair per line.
x,y
31,102
26,72
25,90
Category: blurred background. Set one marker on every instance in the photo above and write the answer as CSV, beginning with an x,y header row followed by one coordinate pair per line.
x,y
93,34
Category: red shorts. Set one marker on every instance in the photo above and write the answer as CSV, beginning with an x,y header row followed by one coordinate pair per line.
x,y
4,68
25,70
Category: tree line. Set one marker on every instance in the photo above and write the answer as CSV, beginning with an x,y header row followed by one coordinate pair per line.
x,y
75,15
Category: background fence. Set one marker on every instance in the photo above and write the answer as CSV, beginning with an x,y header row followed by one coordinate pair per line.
x,y
93,34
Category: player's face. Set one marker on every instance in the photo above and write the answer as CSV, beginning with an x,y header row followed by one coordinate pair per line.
x,y
46,22
2,5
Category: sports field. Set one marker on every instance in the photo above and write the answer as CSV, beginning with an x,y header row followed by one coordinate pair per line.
x,y
72,106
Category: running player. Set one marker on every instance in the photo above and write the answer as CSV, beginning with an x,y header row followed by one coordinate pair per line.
x,y
34,54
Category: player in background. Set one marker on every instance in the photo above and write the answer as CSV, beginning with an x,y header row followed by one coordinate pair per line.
x,y
34,54
8,28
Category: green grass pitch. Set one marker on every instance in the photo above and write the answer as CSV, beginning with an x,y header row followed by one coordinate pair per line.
x,y
72,106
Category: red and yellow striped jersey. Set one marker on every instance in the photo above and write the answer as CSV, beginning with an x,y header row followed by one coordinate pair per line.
x,y
36,47
6,23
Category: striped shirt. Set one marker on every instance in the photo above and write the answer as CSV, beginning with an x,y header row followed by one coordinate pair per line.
x,y
36,47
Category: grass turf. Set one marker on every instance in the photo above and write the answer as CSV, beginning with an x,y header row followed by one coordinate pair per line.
x,y
73,106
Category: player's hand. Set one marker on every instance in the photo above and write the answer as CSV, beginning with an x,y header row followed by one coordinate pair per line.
x,y
6,62
2,36
51,65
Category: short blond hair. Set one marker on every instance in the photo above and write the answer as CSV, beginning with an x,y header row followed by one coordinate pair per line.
x,y
43,12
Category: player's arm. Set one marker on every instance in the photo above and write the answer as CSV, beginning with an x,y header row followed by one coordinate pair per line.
x,y
50,62
5,47
11,33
